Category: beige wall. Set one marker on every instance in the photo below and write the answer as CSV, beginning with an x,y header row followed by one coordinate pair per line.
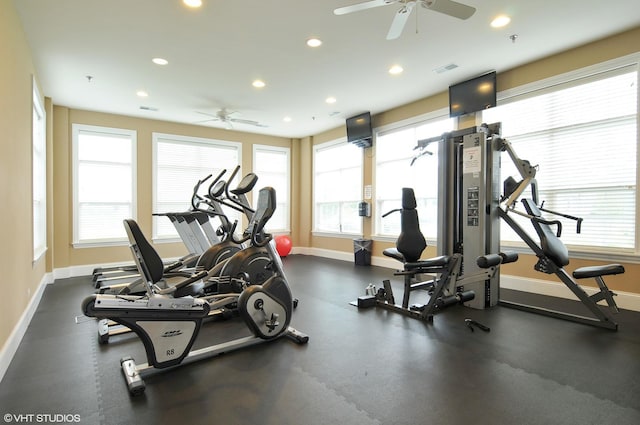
x,y
19,276
63,118
610,48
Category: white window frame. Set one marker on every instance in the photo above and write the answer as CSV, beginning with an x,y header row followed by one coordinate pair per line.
x,y
39,175
213,169
575,78
118,132
327,233
408,123
281,193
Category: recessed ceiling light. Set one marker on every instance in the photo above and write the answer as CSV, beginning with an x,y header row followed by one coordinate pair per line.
x,y
287,119
159,61
314,42
331,100
142,93
395,70
192,3
258,84
500,21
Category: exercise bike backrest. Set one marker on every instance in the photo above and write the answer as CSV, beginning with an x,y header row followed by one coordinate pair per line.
x,y
411,242
551,245
147,259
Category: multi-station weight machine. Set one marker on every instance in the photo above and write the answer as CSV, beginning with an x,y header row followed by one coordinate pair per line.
x,y
467,267
470,209
468,195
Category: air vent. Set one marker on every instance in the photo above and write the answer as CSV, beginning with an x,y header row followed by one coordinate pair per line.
x,y
148,108
445,68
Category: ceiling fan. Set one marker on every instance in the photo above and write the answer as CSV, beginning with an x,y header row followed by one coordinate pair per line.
x,y
224,116
448,7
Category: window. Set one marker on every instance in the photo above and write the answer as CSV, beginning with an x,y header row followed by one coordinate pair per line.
x,y
178,163
272,166
582,132
39,177
104,166
337,188
395,169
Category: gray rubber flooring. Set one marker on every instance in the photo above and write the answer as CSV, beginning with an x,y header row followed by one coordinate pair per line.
x,y
365,366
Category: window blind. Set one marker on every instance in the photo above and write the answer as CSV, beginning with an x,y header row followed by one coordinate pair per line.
x,y
337,188
393,171
39,181
104,183
271,164
179,162
583,136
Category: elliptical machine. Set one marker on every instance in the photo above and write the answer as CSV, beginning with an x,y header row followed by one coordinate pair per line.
x,y
235,265
168,325
232,259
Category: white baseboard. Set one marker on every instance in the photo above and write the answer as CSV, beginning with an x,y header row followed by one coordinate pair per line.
x,y
85,270
13,342
346,256
624,300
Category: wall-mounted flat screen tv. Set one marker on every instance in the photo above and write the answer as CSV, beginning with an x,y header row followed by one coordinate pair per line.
x,y
472,95
359,130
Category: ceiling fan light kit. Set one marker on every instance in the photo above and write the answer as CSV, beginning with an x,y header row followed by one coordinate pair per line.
x,y
224,116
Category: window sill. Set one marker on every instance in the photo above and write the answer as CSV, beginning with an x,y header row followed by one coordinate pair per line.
x,y
337,235
99,244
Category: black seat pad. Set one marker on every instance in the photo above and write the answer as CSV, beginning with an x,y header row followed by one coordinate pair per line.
x,y
435,262
393,253
595,271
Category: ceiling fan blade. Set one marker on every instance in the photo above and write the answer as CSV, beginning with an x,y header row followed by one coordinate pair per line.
x,y
209,115
362,6
450,7
399,20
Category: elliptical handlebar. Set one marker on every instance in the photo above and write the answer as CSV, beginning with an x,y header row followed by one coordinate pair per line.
x,y
210,191
195,198
258,239
246,184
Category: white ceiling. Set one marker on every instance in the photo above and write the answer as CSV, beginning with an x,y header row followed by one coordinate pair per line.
x,y
215,53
